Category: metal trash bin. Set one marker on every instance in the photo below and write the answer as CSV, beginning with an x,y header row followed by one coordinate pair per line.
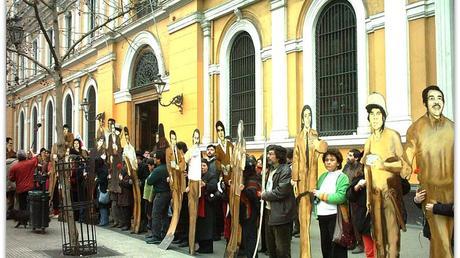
x,y
38,209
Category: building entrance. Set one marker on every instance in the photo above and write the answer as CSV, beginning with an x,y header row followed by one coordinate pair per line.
x,y
146,123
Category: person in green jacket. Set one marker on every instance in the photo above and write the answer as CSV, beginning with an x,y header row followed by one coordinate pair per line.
x,y
330,193
159,178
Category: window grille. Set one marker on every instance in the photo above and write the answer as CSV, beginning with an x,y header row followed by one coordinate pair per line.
x,y
91,118
35,51
336,70
68,20
146,68
50,126
68,112
144,7
21,131
50,55
34,125
92,16
242,86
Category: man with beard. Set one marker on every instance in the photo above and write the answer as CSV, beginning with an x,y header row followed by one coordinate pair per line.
x,y
218,227
430,141
353,169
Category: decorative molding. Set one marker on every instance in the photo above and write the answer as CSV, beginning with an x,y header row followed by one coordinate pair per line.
x,y
122,96
266,53
185,22
375,22
226,8
238,14
214,69
420,9
275,4
295,45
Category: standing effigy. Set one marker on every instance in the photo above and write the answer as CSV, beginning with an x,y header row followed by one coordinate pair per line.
x,y
384,159
237,162
114,152
175,164
430,140
101,130
307,149
224,151
193,158
129,156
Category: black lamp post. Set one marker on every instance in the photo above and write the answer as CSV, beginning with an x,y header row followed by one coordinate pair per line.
x,y
15,36
177,100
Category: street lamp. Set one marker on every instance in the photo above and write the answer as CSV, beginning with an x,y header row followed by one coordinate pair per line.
x,y
15,36
177,100
85,106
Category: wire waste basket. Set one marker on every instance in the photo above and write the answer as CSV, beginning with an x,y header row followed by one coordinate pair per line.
x,y
78,231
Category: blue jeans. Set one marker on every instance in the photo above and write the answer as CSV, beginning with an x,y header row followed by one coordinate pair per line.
x,y
104,212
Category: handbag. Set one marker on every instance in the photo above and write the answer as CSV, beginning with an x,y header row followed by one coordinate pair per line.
x,y
343,231
103,197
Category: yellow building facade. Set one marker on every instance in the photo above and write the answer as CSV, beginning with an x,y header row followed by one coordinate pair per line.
x,y
398,48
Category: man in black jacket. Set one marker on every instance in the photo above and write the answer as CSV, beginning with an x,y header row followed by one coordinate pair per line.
x,y
281,206
159,179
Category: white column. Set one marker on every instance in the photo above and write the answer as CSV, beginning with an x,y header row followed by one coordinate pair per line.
x,y
26,127
445,52
76,108
206,27
397,66
279,72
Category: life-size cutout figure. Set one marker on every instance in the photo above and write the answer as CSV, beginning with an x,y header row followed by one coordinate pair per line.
x,y
193,159
237,162
175,164
68,137
114,152
101,130
129,156
224,151
430,140
307,149
384,159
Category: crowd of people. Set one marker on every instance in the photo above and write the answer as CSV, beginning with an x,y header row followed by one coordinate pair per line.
x,y
197,196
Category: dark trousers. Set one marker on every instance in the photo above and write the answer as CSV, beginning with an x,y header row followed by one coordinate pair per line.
x,y
249,236
125,215
160,218
329,248
10,195
219,221
278,240
22,199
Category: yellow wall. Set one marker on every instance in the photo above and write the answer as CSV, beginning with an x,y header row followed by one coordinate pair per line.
x,y
422,62
376,45
374,6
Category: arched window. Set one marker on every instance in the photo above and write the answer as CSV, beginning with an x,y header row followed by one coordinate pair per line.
x,y
49,125
146,68
68,112
32,128
21,131
242,85
336,70
91,129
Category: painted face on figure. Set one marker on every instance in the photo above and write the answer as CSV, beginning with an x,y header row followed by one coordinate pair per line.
x,y
157,137
376,119
220,133
350,158
10,144
306,118
127,137
330,162
196,138
173,140
435,103
66,130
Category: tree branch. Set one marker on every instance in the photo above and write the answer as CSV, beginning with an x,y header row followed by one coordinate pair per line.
x,y
45,33
92,31
31,59
46,4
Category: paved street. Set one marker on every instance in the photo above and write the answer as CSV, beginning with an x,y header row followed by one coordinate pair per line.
x,y
22,242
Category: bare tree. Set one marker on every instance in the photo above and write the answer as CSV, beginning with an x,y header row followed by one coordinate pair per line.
x,y
42,14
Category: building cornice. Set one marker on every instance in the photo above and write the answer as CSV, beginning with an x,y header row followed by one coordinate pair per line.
x,y
375,22
226,8
420,9
185,22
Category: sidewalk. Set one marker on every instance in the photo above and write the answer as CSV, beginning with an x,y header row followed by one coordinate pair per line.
x,y
24,243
